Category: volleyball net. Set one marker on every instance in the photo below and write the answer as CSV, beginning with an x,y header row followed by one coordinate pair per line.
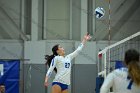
x,y
113,54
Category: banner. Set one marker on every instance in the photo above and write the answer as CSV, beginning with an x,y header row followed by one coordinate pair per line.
x,y
9,75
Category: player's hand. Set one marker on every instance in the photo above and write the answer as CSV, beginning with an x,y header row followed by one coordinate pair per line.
x,y
87,37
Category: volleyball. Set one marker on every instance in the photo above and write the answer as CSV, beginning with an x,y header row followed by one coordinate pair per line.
x,y
99,12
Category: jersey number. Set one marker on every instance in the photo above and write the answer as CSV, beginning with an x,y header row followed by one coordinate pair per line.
x,y
67,65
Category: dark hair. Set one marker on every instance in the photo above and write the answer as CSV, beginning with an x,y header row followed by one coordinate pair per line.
x,y
133,62
49,58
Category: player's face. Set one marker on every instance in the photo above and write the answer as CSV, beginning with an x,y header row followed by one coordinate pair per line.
x,y
2,88
61,51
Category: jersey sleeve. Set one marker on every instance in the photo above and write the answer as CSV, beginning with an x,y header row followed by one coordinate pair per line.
x,y
52,66
76,52
108,83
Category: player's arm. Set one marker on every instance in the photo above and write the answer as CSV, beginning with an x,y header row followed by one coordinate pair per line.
x,y
108,83
80,47
50,70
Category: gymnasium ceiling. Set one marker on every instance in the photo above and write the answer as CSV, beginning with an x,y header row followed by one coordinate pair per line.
x,y
125,20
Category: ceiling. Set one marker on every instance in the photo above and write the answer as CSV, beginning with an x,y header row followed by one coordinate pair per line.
x,y
125,20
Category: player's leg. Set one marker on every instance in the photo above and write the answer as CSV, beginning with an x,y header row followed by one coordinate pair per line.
x,y
65,91
56,89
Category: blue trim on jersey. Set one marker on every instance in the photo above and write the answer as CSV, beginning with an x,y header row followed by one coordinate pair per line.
x,y
63,86
130,83
52,61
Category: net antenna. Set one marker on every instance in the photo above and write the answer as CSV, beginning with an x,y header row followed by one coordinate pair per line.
x,y
115,52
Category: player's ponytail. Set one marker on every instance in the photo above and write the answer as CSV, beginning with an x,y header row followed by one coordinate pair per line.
x,y
133,63
49,58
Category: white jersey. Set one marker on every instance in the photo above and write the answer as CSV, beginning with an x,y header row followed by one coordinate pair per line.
x,y
118,79
63,65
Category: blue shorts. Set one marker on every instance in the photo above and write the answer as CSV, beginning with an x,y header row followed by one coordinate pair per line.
x,y
63,86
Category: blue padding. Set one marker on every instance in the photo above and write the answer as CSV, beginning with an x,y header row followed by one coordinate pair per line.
x,y
119,64
99,82
11,76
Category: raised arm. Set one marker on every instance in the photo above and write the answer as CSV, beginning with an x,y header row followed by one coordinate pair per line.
x,y
76,52
80,47
50,70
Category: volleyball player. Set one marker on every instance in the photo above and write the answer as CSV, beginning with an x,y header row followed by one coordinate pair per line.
x,y
62,66
125,80
2,88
